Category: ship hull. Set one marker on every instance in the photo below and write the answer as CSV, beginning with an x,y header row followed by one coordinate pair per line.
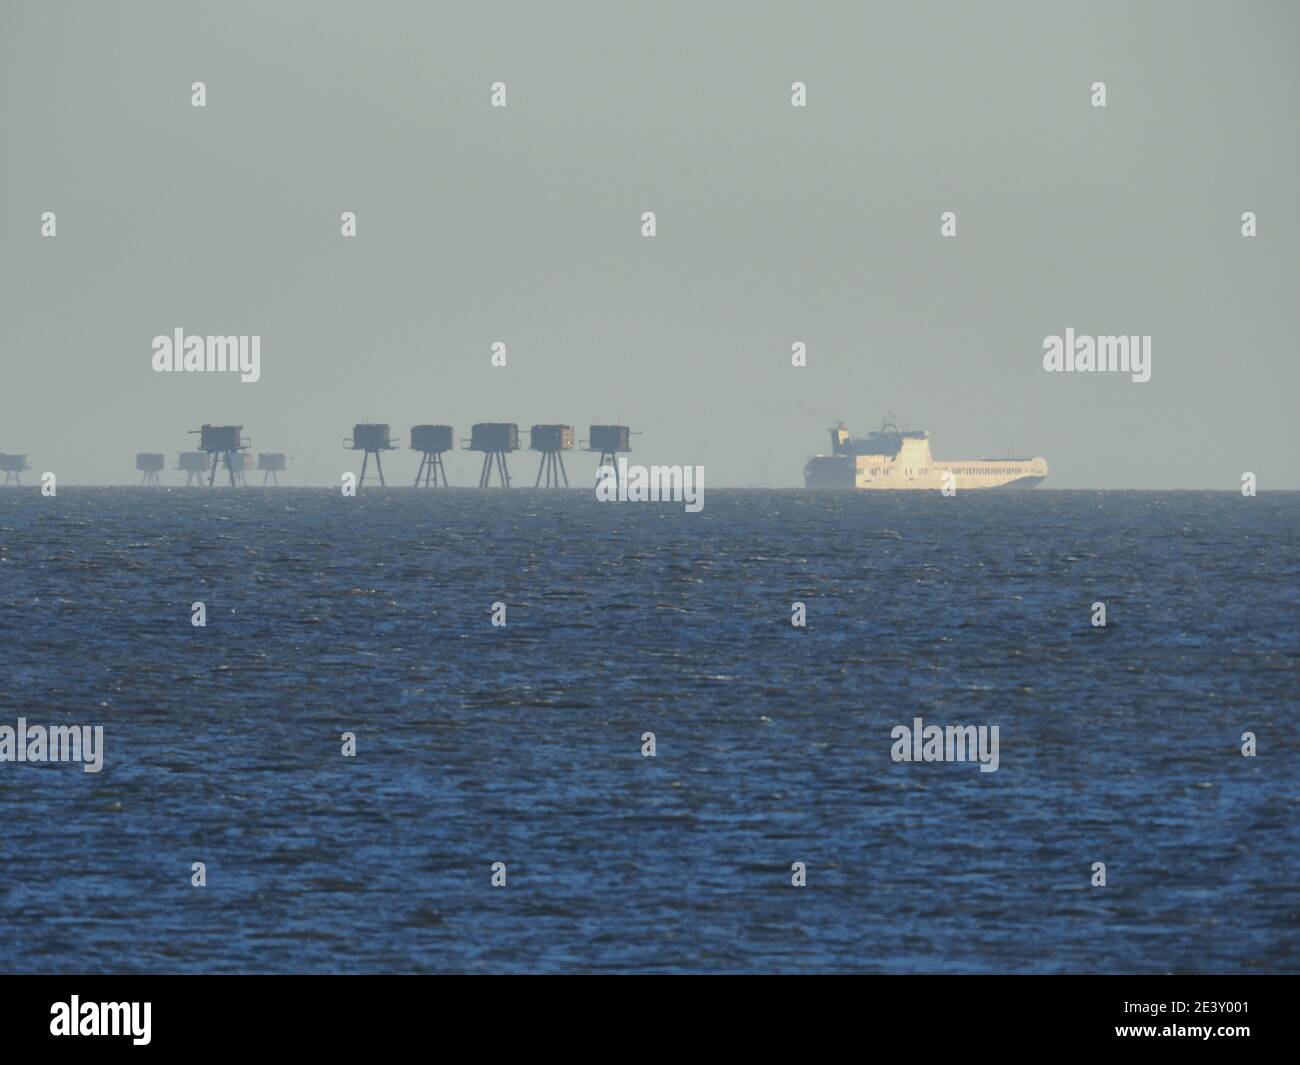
x,y
1025,482
843,476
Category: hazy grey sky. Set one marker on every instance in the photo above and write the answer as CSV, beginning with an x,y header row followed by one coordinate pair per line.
x,y
775,225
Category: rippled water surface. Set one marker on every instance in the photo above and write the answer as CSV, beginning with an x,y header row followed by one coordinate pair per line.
x,y
522,744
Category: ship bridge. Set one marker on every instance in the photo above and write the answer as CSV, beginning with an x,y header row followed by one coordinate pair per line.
x,y
887,442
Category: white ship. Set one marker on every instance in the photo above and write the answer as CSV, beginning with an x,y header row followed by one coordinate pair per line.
x,y
895,458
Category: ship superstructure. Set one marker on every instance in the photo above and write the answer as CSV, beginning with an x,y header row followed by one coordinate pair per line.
x,y
896,458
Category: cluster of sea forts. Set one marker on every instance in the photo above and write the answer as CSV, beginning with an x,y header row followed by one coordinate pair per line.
x,y
225,448
891,459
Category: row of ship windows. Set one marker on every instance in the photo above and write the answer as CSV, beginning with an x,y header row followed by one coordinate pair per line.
x,y
987,471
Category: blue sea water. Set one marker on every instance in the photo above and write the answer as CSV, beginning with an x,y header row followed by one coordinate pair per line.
x,y
522,744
